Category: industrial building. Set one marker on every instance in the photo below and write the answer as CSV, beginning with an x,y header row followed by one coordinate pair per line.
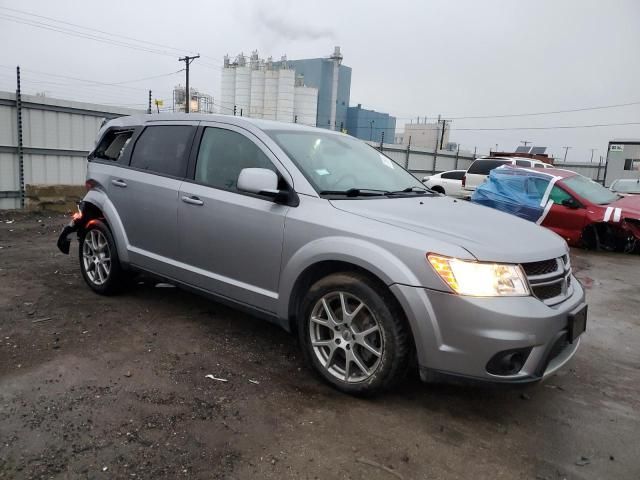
x,y
623,160
370,125
423,135
200,102
312,91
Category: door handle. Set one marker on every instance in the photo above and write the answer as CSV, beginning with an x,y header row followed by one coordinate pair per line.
x,y
193,200
119,183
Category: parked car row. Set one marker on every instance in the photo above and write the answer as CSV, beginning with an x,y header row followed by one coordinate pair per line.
x,y
462,183
580,210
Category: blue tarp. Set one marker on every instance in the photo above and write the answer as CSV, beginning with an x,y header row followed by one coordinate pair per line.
x,y
514,190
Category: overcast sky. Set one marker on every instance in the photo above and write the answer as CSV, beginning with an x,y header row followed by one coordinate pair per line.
x,y
409,58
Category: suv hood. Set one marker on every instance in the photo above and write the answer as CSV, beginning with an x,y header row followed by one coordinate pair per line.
x,y
486,233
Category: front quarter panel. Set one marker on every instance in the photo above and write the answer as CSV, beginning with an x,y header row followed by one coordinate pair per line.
x,y
317,232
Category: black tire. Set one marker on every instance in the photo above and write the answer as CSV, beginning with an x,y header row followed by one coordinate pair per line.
x,y
591,238
114,280
392,337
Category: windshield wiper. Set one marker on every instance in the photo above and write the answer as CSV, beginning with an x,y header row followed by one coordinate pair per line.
x,y
356,192
421,190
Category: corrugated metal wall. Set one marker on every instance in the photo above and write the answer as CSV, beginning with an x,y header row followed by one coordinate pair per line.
x,y
57,135
419,161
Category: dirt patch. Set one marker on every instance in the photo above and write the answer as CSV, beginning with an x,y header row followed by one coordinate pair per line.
x,y
116,387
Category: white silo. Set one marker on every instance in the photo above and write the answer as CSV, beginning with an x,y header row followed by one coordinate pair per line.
x,y
227,87
286,79
256,102
270,92
243,86
305,105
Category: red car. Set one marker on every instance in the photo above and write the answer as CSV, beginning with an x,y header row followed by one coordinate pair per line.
x,y
580,210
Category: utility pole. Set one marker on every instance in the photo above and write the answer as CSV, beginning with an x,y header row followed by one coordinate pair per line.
x,y
435,147
444,126
149,108
371,131
592,150
566,149
525,142
187,61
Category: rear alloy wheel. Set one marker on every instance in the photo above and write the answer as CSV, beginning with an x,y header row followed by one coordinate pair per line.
x,y
353,334
99,261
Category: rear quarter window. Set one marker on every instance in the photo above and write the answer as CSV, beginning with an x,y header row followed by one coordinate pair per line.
x,y
483,167
112,145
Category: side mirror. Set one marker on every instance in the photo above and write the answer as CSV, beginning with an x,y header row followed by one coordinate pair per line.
x,y
425,179
570,203
263,181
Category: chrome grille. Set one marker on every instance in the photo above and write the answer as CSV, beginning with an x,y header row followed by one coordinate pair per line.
x,y
550,280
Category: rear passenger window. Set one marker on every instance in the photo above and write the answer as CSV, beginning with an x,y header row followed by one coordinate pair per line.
x,y
483,167
223,154
163,149
453,175
112,145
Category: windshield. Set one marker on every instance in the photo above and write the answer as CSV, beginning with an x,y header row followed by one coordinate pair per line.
x,y
590,190
339,163
627,186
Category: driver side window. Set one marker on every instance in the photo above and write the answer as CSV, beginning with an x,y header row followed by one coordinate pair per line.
x,y
223,154
558,195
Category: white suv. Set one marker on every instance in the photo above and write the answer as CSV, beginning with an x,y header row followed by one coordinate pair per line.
x,y
480,168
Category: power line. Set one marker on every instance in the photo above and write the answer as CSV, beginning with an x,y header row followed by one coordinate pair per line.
x,y
571,110
95,82
559,127
74,33
92,36
91,29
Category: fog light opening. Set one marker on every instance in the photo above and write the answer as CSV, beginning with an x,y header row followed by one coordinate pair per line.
x,y
508,362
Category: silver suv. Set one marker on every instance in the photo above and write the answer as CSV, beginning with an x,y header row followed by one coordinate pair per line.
x,y
325,236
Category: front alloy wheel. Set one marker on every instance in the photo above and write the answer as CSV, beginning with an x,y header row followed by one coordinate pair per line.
x,y
354,333
346,337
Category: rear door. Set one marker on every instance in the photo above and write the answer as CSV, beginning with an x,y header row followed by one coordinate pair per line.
x,y
145,193
452,182
231,241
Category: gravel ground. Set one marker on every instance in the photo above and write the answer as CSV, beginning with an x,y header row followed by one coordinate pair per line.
x,y
116,387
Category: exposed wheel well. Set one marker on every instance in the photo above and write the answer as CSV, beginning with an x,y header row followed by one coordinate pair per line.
x,y
437,188
90,211
320,270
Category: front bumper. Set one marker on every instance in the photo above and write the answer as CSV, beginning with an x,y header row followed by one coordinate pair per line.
x,y
459,335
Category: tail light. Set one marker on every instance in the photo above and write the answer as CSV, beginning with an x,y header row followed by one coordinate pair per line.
x,y
464,180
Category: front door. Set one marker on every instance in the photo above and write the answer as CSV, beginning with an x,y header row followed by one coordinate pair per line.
x,y
567,215
231,241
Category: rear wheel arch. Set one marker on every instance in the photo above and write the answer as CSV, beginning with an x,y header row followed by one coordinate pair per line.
x,y
438,188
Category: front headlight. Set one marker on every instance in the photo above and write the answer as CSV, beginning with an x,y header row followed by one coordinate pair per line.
x,y
480,279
